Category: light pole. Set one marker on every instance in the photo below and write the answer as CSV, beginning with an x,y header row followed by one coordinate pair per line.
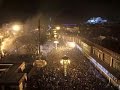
x,y
17,27
39,39
65,62
56,42
39,63
1,37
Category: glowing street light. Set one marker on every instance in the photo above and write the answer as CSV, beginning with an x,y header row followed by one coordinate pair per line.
x,y
55,36
58,28
1,36
16,27
56,42
54,31
65,62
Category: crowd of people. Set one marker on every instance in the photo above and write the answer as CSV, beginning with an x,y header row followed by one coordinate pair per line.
x,y
81,74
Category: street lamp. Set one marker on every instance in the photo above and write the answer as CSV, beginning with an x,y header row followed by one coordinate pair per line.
x,y
16,27
55,36
56,42
65,61
1,37
54,31
58,28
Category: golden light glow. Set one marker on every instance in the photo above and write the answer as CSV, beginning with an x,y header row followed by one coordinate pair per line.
x,y
56,41
16,27
36,29
40,63
65,62
55,36
1,36
54,31
58,28
6,44
71,44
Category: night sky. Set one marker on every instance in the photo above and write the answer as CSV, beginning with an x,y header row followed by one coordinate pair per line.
x,y
60,9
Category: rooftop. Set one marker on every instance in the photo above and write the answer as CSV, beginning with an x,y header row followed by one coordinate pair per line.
x,y
10,73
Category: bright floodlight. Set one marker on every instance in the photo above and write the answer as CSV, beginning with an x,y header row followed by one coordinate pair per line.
x,y
55,35
71,44
56,41
65,62
58,28
54,31
16,27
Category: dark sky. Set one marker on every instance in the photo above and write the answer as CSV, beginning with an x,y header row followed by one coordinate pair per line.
x,y
61,9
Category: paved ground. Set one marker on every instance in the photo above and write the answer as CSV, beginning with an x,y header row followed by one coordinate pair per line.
x,y
81,74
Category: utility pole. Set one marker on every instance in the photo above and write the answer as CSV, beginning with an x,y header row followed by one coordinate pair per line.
x,y
39,39
1,37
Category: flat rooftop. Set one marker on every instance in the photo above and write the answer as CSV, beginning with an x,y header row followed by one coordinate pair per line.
x,y
9,73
